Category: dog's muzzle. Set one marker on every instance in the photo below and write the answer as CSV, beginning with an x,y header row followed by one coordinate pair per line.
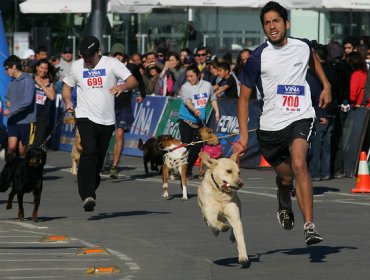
x,y
226,187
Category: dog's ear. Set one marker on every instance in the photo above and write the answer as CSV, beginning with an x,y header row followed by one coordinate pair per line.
x,y
234,157
207,160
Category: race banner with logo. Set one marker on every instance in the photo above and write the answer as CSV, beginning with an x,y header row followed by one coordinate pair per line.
x,y
147,116
169,123
228,125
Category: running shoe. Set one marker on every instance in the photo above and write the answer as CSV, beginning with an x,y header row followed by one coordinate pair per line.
x,y
286,218
311,235
113,172
89,204
285,213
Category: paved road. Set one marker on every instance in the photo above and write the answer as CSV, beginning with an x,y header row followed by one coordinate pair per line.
x,y
149,238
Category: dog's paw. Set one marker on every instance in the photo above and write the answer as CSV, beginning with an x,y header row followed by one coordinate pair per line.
x,y
244,262
225,228
9,206
184,198
215,231
34,217
165,195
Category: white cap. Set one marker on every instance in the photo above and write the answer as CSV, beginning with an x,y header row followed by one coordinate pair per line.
x,y
27,53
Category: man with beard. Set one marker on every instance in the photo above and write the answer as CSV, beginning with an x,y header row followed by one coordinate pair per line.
x,y
278,69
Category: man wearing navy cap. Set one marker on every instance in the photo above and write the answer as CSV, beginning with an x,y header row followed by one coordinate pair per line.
x,y
96,79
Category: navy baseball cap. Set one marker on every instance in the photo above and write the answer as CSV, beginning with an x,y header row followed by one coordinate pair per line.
x,y
89,46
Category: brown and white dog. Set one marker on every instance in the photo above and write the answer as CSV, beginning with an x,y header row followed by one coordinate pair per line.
x,y
175,162
212,147
76,147
219,201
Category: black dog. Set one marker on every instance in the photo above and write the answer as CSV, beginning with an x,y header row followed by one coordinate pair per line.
x,y
152,153
28,177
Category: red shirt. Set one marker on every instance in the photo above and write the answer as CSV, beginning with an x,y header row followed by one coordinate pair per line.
x,y
357,85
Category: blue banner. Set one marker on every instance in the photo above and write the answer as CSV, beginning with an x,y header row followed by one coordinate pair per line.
x,y
228,124
147,117
66,134
4,78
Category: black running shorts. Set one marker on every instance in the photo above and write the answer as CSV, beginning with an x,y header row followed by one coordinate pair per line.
x,y
274,145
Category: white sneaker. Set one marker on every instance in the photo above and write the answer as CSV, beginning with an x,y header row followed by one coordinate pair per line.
x,y
89,204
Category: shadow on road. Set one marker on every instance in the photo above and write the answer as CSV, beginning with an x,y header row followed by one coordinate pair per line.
x,y
233,262
316,254
102,216
320,190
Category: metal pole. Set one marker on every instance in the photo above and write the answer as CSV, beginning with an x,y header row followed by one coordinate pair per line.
x,y
108,36
318,28
73,45
15,15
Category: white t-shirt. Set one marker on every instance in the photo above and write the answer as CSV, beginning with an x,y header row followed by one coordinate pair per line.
x,y
280,76
94,100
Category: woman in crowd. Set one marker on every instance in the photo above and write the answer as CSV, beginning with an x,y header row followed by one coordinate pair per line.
x,y
358,78
170,73
195,94
44,75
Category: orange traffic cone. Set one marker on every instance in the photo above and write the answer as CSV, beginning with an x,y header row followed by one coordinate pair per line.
x,y
264,163
363,177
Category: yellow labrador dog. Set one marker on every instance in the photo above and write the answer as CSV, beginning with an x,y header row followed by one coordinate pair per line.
x,y
219,202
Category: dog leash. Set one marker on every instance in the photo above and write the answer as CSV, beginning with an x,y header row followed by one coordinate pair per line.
x,y
43,145
202,141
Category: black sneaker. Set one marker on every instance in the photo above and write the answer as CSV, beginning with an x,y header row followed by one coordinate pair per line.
x,y
311,235
113,172
89,204
285,213
286,218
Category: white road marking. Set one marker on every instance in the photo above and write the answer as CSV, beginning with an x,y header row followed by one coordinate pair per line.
x,y
23,224
34,277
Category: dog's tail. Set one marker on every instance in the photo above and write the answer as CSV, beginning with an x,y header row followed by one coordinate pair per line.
x,y
140,145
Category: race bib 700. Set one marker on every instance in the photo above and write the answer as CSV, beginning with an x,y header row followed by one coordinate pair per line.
x,y
290,97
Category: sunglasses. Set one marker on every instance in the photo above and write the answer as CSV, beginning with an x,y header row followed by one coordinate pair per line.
x,y
201,54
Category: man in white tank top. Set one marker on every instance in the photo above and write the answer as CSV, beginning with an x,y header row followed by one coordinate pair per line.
x,y
95,77
278,69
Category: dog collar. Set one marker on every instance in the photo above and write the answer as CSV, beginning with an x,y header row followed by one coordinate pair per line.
x,y
223,188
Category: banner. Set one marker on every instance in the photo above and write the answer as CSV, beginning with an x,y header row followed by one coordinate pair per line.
x,y
228,124
147,116
168,124
4,78
354,131
66,134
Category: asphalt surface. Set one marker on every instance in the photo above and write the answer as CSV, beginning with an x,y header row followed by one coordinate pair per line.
x,y
149,238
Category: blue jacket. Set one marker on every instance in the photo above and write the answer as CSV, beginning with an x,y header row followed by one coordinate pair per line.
x,y
21,95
